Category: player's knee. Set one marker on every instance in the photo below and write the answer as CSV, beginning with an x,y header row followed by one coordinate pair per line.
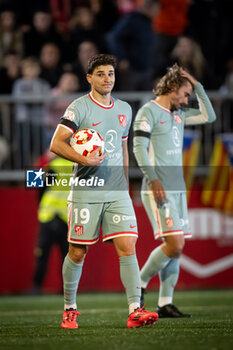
x,y
174,246
176,252
125,246
77,253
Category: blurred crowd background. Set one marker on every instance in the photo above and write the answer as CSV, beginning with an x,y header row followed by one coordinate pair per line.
x,y
62,34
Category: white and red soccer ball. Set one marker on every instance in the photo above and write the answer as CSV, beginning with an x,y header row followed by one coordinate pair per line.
x,y
85,141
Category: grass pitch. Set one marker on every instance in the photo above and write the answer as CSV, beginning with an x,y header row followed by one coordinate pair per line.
x,y
34,323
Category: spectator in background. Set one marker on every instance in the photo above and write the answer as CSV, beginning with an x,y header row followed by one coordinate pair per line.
x,y
132,41
169,24
85,51
30,116
83,28
210,23
42,32
127,6
4,150
188,54
106,14
52,216
10,72
51,66
68,84
10,36
61,11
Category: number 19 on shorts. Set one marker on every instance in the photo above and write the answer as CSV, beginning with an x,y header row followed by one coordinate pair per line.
x,y
81,216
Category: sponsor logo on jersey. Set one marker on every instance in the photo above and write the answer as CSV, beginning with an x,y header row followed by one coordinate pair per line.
x,y
95,124
78,230
116,219
132,226
163,122
35,178
110,141
69,115
177,118
176,136
123,120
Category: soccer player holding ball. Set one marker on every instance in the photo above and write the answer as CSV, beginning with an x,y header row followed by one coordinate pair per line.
x,y
158,141
90,207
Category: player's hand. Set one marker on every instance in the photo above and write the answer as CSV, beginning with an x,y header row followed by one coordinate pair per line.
x,y
188,76
94,159
158,191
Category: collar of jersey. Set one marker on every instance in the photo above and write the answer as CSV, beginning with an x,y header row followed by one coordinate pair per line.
x,y
165,109
100,104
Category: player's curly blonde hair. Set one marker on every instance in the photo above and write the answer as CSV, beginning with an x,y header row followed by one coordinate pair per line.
x,y
171,81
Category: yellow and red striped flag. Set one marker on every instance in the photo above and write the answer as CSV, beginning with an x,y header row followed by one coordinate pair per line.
x,y
218,188
191,147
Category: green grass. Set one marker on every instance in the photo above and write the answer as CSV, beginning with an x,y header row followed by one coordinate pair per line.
x,y
28,322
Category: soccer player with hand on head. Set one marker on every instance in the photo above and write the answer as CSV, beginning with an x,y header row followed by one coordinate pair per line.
x,y
88,208
158,140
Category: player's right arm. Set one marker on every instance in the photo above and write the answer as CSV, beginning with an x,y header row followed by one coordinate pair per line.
x,y
143,126
61,147
205,113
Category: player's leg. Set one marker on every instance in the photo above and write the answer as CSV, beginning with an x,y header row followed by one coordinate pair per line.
x,y
83,229
169,275
71,273
173,243
168,279
129,269
130,277
119,224
159,258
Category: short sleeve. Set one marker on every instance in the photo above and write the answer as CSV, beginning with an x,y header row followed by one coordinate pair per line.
x,y
144,122
129,120
71,117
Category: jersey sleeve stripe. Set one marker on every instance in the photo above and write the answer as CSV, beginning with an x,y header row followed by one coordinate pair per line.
x,y
69,123
124,138
141,133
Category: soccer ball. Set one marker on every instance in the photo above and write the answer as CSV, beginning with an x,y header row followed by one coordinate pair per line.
x,y
85,141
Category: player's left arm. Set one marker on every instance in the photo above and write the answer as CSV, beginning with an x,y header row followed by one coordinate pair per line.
x,y
205,113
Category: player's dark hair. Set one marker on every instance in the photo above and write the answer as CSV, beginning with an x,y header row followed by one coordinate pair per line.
x,y
171,81
100,60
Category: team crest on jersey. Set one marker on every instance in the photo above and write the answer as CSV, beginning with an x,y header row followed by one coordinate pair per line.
x,y
177,118
169,222
78,230
69,115
144,125
123,120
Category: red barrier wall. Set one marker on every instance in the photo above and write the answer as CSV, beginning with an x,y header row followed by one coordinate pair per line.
x,y
207,261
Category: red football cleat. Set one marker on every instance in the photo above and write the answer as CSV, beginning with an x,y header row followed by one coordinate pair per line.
x,y
141,318
69,319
